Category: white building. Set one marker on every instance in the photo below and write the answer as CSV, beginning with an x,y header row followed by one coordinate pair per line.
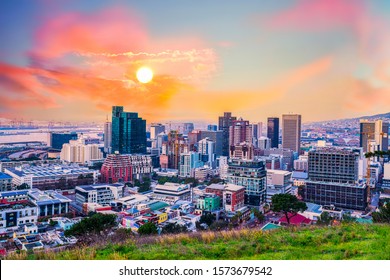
x,y
302,163
206,147
223,167
172,192
49,176
78,152
107,136
17,214
263,143
188,163
278,182
102,194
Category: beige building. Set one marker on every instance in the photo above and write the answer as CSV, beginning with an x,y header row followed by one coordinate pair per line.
x,y
78,152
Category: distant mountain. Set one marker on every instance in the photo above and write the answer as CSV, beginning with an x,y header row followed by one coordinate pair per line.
x,y
378,116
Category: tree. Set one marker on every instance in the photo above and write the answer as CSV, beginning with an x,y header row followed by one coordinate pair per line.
x,y
287,203
347,218
95,224
219,225
23,186
174,228
260,217
208,219
383,216
325,219
147,229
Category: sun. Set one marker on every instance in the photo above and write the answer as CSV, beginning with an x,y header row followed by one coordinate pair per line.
x,y
144,75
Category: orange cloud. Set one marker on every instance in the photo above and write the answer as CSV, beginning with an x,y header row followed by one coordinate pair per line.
x,y
92,59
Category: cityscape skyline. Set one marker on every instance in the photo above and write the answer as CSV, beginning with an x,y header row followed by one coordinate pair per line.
x,y
70,61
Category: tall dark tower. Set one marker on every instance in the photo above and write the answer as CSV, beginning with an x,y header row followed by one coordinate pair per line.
x,y
223,124
128,132
273,131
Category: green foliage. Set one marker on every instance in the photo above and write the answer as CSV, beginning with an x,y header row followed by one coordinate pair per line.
x,y
325,219
377,154
215,180
23,186
260,217
144,186
174,228
219,225
347,218
53,223
383,216
96,224
287,203
207,218
147,229
346,241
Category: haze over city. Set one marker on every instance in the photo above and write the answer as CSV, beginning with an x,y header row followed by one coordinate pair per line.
x,y
73,60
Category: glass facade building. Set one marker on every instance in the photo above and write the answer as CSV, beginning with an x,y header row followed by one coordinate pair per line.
x,y
128,132
251,175
273,131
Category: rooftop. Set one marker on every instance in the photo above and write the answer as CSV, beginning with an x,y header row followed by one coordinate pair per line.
x,y
4,176
172,187
47,197
157,205
234,188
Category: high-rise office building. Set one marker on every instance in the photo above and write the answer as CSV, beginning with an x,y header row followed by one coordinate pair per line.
x,y
107,136
217,137
273,131
240,131
128,132
223,124
251,175
206,147
374,133
212,127
156,129
187,128
291,132
334,179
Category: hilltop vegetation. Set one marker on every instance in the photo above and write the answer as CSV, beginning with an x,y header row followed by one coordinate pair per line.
x,y
347,241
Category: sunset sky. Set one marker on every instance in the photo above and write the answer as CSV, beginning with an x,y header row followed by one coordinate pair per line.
x,y
72,60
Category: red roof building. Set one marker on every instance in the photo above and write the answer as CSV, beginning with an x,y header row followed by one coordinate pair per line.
x,y
296,220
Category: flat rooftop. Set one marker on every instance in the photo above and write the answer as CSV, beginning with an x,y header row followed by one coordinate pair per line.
x,y
47,197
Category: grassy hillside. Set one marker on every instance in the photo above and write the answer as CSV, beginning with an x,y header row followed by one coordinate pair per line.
x,y
350,241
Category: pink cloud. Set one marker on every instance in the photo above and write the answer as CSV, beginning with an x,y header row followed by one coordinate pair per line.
x,y
317,15
92,58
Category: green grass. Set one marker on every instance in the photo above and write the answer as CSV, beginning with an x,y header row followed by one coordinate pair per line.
x,y
348,241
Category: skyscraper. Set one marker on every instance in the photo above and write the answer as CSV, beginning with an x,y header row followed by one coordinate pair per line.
x,y
128,132
273,131
291,132
223,124
240,131
156,129
107,136
374,132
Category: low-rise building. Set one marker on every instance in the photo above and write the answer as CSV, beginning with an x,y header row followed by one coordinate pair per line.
x,y
51,176
172,192
102,194
130,201
233,197
14,214
209,202
49,203
5,182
